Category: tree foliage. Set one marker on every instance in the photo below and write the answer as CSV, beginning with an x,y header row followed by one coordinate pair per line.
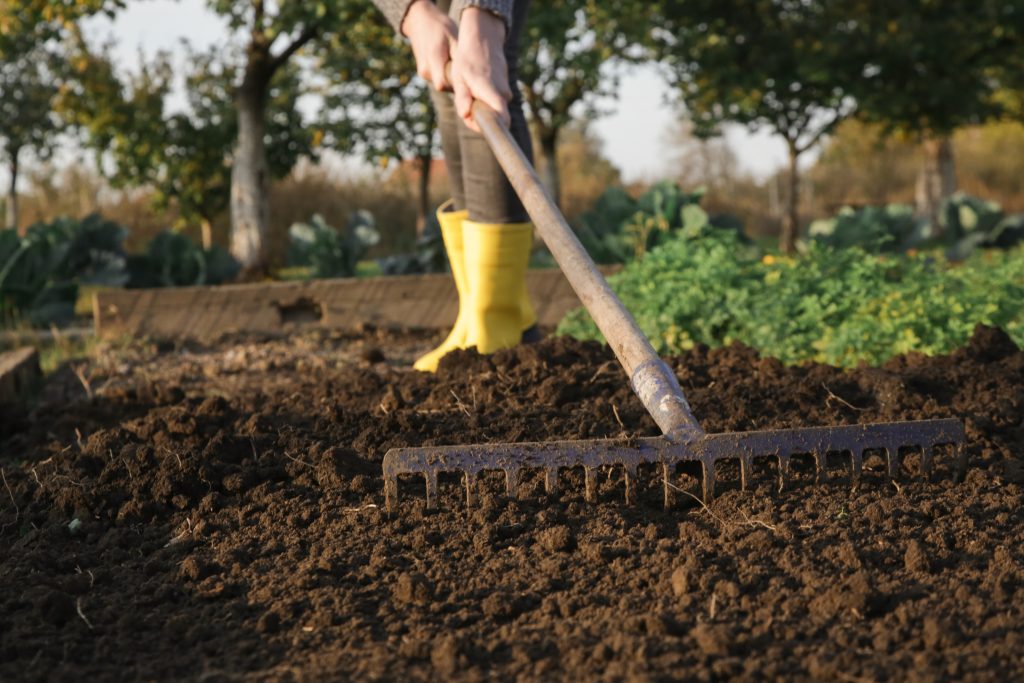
x,y
374,105
373,102
783,65
28,87
929,65
185,156
28,23
273,34
1008,70
569,53
798,67
21,27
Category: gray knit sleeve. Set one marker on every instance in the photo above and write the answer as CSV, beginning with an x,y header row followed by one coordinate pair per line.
x,y
503,8
394,10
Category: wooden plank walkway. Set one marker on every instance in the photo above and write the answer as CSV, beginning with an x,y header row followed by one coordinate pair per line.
x,y
205,313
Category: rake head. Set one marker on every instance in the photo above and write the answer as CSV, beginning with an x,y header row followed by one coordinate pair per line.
x,y
551,457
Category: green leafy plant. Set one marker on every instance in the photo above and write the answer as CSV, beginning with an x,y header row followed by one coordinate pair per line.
x,y
965,224
429,257
971,223
96,253
892,227
41,271
662,210
839,306
173,260
619,228
328,252
600,228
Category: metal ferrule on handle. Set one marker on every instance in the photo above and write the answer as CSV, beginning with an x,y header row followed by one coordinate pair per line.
x,y
652,380
658,389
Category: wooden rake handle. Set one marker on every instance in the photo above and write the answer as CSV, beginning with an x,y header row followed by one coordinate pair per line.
x,y
651,378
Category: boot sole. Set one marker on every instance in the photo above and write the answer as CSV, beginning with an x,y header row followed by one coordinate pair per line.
x,y
531,335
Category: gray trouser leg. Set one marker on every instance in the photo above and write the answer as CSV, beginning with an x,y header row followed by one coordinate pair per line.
x,y
478,184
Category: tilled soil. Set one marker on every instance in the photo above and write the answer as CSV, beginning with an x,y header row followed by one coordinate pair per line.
x,y
217,514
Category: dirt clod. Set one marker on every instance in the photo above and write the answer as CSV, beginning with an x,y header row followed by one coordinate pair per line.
x,y
413,587
57,607
445,656
557,539
269,622
681,581
852,596
373,355
916,557
712,639
195,568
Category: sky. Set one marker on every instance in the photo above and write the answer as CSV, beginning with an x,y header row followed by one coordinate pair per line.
x,y
634,136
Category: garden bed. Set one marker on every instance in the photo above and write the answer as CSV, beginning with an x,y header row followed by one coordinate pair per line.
x,y
216,513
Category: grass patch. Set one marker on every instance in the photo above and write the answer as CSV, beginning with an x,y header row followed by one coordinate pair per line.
x,y
55,346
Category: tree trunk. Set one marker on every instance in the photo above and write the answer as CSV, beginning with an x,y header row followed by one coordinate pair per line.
x,y
206,228
424,198
550,178
12,193
791,222
937,178
249,180
774,209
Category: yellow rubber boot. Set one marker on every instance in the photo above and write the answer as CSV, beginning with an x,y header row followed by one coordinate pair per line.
x,y
499,309
451,231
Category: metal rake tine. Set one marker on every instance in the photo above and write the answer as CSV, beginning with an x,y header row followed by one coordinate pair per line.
x,y
512,482
914,448
927,455
708,467
590,484
820,464
666,485
471,488
892,458
746,471
856,465
783,471
391,493
551,480
630,477
431,477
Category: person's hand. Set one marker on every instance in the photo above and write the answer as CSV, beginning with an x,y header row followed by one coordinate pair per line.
x,y
479,69
432,34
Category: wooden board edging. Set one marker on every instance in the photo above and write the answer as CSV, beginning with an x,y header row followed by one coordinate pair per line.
x,y
406,301
19,372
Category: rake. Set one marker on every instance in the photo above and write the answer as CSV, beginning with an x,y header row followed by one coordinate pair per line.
x,y
656,386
